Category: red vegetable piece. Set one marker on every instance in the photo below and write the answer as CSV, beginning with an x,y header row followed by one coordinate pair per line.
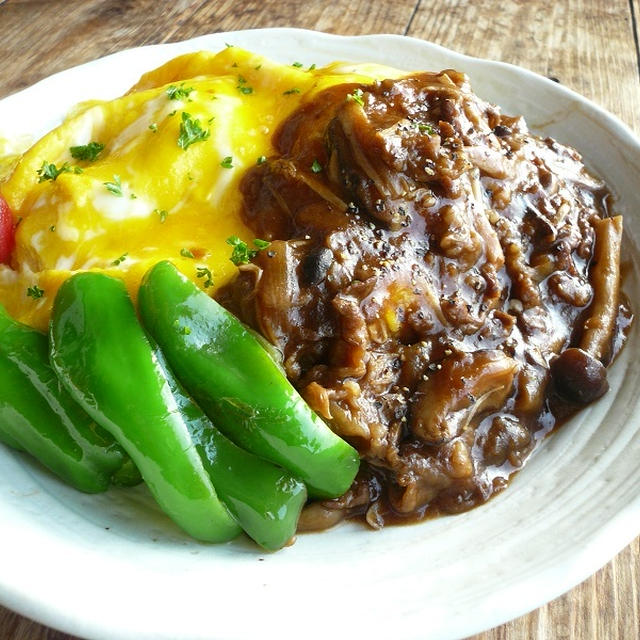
x,y
7,232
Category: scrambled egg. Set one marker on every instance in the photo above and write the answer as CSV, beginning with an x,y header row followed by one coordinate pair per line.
x,y
122,184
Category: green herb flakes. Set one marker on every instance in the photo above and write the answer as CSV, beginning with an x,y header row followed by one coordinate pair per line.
x,y
227,162
161,213
35,292
185,253
49,171
114,187
88,152
242,254
118,261
316,167
242,86
356,96
190,131
179,93
184,330
424,127
203,272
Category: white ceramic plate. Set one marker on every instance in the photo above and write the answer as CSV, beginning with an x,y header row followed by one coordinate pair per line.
x,y
113,567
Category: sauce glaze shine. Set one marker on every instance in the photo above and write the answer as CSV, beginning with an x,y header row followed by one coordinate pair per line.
x,y
440,282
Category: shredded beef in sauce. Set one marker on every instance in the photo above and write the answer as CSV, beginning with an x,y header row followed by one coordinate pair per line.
x,y
443,285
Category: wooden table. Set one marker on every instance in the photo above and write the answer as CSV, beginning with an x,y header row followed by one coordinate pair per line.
x,y
588,45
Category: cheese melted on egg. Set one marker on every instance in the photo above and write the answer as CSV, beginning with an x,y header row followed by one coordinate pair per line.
x,y
146,197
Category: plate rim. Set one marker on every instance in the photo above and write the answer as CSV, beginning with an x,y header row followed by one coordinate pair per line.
x,y
626,519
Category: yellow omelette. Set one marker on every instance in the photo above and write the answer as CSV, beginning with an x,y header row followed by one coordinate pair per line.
x,y
156,175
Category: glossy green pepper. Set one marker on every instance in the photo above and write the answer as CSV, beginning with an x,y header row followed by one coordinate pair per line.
x,y
238,384
5,438
38,416
265,499
102,355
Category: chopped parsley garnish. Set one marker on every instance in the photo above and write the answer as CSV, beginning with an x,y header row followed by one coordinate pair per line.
x,y
227,162
190,131
154,127
52,228
161,213
203,272
173,113
114,187
312,67
49,171
261,160
77,170
185,253
258,67
87,152
184,330
226,44
179,93
290,91
120,260
243,87
35,292
356,96
424,127
242,254
316,167
297,65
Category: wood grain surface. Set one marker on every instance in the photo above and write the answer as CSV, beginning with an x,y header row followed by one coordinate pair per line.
x,y
588,45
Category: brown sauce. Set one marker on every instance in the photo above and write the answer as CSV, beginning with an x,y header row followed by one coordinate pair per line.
x,y
443,286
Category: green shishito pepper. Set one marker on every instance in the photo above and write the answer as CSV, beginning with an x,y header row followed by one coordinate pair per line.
x,y
102,355
38,416
238,384
265,499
